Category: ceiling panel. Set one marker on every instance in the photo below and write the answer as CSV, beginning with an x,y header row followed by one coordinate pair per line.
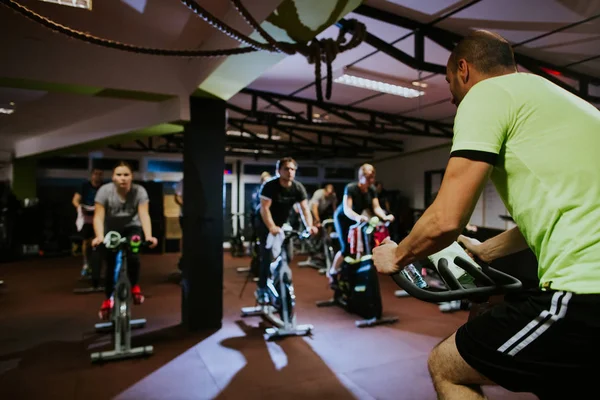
x,y
435,53
440,111
590,67
19,96
568,42
383,64
245,101
513,12
430,7
382,30
55,110
390,104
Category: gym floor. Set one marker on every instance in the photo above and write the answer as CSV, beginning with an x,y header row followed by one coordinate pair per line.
x,y
47,335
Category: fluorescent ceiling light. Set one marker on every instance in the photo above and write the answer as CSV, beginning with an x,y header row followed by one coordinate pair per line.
x,y
6,110
250,151
72,3
366,80
246,134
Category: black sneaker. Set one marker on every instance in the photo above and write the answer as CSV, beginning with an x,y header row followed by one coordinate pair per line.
x,y
262,296
333,281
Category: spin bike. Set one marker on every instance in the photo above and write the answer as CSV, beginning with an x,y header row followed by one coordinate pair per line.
x,y
464,278
121,323
279,311
357,289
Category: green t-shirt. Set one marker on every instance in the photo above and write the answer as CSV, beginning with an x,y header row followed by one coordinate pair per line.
x,y
547,170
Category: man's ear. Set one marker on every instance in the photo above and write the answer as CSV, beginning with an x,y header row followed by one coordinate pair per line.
x,y
463,70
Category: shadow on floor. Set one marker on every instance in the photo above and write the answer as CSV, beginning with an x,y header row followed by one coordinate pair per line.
x,y
38,372
285,368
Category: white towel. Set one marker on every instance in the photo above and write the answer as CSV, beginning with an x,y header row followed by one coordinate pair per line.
x,y
274,242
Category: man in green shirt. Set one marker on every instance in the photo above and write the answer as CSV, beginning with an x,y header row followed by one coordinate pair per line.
x,y
540,145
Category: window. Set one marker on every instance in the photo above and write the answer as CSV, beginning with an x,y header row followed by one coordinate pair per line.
x,y
257,169
307,171
165,166
72,3
340,173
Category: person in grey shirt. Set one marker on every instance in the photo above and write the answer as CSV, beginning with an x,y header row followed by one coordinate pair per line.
x,y
122,206
323,203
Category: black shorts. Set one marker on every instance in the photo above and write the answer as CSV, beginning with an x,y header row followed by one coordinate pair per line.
x,y
87,232
543,342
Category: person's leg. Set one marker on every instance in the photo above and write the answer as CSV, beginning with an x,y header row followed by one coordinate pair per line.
x,y
264,266
342,226
520,345
110,260
265,256
109,281
85,252
452,377
87,234
180,263
95,262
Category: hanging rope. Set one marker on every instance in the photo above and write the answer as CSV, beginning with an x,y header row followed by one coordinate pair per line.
x,y
86,37
316,51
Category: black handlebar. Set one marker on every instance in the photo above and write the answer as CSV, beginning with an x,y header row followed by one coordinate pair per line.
x,y
488,282
305,234
114,240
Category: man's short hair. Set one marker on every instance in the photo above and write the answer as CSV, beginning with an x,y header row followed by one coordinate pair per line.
x,y
284,161
487,51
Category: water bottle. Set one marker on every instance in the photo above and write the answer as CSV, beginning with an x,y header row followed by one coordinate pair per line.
x,y
411,272
135,243
450,253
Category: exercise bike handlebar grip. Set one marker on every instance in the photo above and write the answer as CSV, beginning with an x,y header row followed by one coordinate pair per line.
x,y
494,281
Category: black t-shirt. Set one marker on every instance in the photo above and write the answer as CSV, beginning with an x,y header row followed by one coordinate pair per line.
x,y
282,198
360,201
88,193
383,197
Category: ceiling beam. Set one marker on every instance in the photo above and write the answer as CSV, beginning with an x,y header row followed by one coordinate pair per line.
x,y
448,40
331,134
418,127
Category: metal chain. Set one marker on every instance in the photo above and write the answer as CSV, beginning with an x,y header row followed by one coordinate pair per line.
x,y
316,51
86,37
279,46
226,29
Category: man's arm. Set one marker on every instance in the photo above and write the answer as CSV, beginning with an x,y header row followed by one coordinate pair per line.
x,y
76,200
348,211
305,214
504,244
179,200
443,221
265,213
377,209
144,215
99,213
315,211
